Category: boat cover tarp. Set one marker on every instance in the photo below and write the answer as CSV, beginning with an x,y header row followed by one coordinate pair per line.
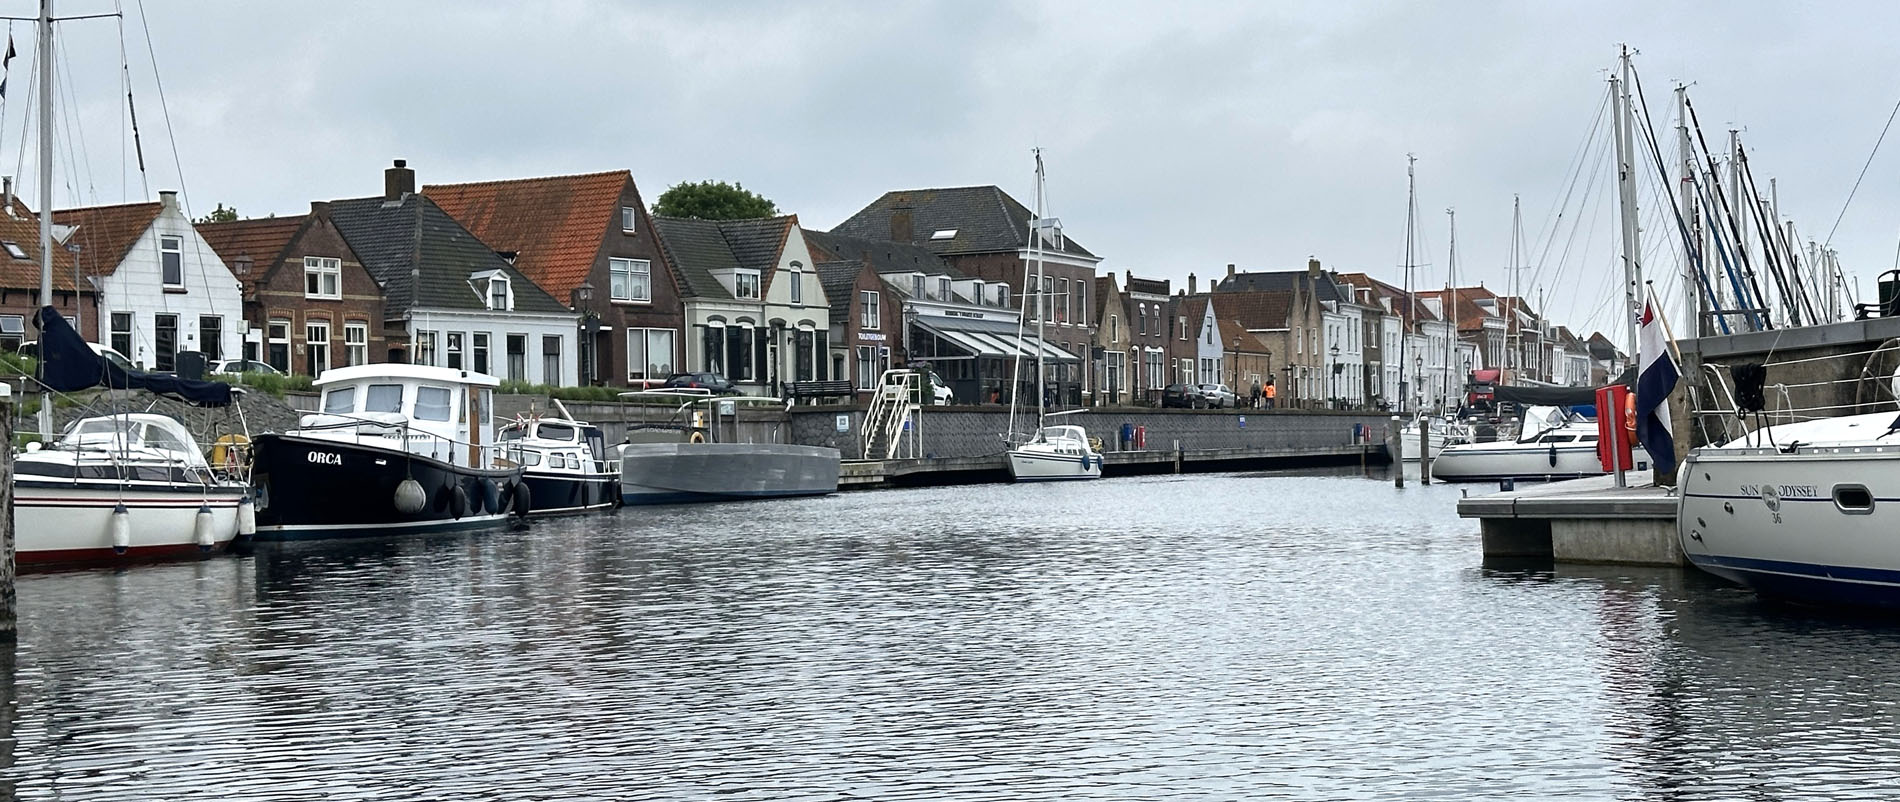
x,y
68,363
1558,396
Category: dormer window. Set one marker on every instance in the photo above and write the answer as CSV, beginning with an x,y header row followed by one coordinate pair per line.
x,y
917,287
14,250
322,278
745,285
943,288
1002,295
501,296
627,219
943,234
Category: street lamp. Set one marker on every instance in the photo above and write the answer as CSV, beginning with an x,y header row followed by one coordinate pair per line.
x,y
1418,380
1334,395
588,323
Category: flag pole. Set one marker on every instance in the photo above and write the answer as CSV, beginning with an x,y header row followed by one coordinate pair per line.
x,y
1675,351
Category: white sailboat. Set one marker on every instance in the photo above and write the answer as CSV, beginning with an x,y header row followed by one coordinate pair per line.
x,y
1058,452
117,487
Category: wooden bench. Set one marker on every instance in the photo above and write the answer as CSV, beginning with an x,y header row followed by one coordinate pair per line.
x,y
818,390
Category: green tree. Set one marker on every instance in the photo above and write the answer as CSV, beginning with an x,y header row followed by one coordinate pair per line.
x,y
219,215
713,200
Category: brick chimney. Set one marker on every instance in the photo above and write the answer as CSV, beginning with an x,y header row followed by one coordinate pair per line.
x,y
168,200
1230,271
1312,269
1190,283
900,224
319,208
1127,277
399,181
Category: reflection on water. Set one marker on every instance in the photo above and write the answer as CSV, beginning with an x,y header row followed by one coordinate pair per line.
x,y
1206,637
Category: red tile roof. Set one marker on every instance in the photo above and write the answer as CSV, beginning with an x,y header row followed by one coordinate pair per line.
x,y
555,225
1235,337
24,274
107,233
263,240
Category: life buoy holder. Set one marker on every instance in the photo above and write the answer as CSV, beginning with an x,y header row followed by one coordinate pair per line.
x,y
698,437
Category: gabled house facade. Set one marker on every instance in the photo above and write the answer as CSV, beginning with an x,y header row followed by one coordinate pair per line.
x,y
587,240
73,296
1112,340
1246,358
449,300
162,288
983,234
755,310
309,303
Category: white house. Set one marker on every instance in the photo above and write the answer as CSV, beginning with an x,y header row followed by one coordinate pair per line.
x,y
162,289
756,312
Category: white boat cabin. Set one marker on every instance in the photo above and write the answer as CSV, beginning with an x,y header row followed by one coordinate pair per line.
x,y
435,412
1073,440
131,446
553,445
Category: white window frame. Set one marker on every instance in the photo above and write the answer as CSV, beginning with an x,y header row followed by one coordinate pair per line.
x,y
356,342
798,287
172,246
507,289
745,285
323,268
630,280
315,345
629,219
641,353
868,317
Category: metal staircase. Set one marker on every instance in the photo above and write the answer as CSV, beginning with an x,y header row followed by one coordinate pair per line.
x,y
893,412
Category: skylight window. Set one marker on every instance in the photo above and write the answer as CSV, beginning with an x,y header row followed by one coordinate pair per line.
x,y
14,250
944,233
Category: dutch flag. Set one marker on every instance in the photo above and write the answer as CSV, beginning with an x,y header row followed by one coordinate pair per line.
x,y
1655,380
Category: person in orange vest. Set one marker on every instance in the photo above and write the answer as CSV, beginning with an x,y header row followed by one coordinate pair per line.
x,y
1270,392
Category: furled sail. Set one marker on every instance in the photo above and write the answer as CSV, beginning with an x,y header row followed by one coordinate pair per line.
x,y
68,363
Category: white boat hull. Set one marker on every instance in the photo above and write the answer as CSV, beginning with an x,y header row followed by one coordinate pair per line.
x,y
1034,465
73,523
1490,462
1792,525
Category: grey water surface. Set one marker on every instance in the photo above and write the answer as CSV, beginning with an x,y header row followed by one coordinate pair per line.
x,y
1237,636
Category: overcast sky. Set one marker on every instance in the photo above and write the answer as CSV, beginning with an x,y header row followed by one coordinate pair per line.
x,y
1178,137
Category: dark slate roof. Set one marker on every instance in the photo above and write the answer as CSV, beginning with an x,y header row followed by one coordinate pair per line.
x,y
1149,286
839,279
757,243
1278,280
387,237
884,256
986,219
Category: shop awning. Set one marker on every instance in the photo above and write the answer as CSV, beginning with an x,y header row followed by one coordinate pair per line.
x,y
992,338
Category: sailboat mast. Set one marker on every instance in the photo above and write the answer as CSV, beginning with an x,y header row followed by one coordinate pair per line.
x,y
1451,304
46,190
1626,184
1043,301
1513,335
1411,205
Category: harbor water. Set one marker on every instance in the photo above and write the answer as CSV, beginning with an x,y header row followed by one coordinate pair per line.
x,y
1237,636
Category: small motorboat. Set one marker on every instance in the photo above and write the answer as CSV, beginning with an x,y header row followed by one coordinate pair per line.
x,y
1552,443
563,464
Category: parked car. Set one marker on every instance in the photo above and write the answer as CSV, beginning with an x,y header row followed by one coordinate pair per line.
x,y
710,382
31,349
1219,397
244,366
1182,396
939,392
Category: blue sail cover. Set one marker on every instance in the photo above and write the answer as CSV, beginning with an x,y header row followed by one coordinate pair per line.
x,y
67,363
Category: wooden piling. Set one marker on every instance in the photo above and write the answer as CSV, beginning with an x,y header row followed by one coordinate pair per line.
x,y
1424,452
1177,456
1395,445
8,622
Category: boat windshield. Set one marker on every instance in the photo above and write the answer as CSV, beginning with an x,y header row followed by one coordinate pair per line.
x,y
118,433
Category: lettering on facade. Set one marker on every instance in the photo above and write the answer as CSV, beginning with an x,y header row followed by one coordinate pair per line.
x,y
870,337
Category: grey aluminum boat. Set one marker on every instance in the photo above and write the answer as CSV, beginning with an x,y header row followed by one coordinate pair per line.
x,y
684,463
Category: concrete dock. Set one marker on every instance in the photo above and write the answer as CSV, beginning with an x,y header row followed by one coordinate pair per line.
x,y
864,474
1579,521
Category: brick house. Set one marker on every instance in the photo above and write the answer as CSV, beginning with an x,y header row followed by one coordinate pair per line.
x,y
1247,360
310,304
983,233
450,300
585,234
20,281
1132,324
162,289
866,324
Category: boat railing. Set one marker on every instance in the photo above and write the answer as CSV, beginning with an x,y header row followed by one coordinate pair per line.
x,y
1873,374
358,430
122,457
